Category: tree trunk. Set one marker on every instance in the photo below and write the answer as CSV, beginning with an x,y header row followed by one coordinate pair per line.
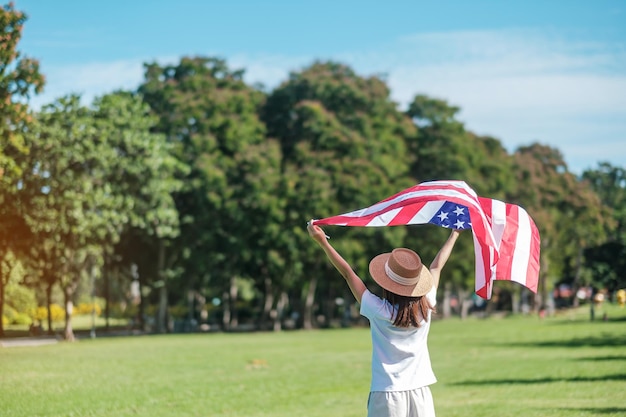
x,y
515,299
492,302
447,311
280,308
328,307
226,310
229,318
48,303
466,304
525,302
142,306
308,304
68,333
107,301
191,300
576,283
542,294
232,296
162,316
161,319
264,321
2,284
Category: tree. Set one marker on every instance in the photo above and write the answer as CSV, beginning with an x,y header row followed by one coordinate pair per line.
x,y
344,147
144,172
609,182
231,198
606,259
76,214
567,212
444,149
20,301
441,146
19,78
586,223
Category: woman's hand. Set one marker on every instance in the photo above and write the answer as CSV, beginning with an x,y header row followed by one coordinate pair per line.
x,y
316,233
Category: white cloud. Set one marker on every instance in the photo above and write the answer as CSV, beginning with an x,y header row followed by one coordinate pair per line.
x,y
523,86
89,80
92,79
97,78
269,70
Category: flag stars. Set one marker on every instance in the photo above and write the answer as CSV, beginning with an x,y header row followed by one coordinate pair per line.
x,y
459,211
451,216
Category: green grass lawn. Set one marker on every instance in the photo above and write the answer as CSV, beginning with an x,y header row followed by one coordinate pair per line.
x,y
519,366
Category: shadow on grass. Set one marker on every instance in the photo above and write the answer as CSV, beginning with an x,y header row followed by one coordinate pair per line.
x,y
606,339
602,358
545,380
616,319
598,320
599,410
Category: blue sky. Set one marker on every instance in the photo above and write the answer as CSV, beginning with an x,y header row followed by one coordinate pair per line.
x,y
552,72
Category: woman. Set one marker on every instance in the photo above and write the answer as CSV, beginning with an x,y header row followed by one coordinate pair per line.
x,y
399,325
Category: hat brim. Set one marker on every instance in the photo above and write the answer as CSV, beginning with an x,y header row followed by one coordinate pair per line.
x,y
377,271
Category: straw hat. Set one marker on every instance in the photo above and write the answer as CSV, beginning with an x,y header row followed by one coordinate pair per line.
x,y
401,272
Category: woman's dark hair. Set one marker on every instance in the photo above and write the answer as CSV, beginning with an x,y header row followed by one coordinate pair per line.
x,y
410,310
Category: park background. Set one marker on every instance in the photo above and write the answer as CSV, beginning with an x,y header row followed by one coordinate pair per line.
x,y
179,205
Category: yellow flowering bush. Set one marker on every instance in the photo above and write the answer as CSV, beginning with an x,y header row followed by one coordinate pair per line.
x,y
57,313
86,308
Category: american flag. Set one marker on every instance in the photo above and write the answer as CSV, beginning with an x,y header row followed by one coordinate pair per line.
x,y
506,240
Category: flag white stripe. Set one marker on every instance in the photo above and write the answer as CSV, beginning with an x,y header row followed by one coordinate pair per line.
x,y
427,212
383,219
498,220
521,255
451,183
410,195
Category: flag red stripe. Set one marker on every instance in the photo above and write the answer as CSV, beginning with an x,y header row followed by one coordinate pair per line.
x,y
507,246
533,265
406,214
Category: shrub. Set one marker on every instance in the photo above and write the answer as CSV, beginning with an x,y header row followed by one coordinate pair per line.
x,y
22,318
123,310
9,313
20,298
178,311
87,308
57,313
